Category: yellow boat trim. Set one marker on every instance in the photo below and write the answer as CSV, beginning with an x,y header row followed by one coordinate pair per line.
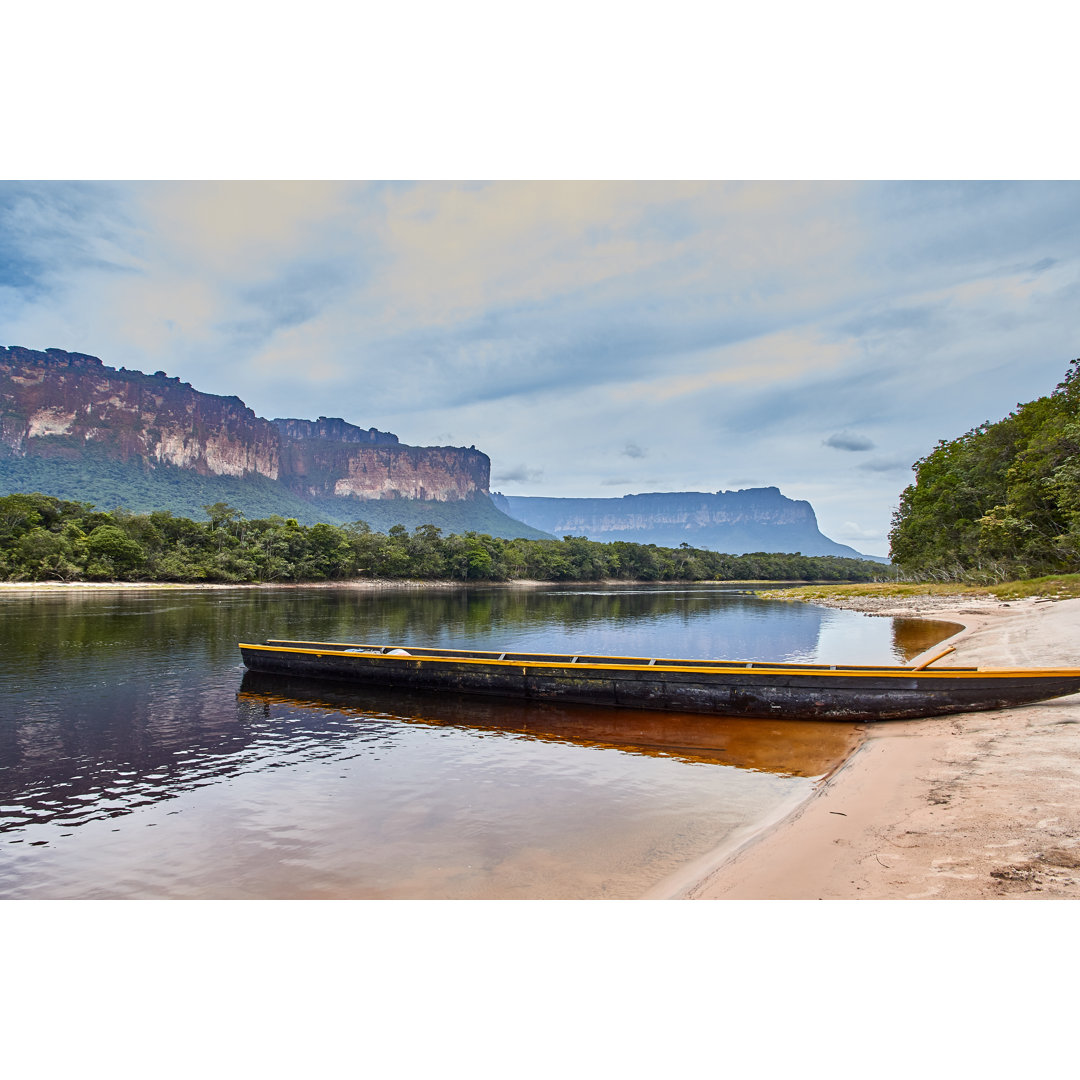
x,y
757,669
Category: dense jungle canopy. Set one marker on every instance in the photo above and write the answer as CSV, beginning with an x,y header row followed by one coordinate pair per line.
x,y
1002,501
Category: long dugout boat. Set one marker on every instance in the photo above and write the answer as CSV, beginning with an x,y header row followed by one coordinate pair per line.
x,y
719,687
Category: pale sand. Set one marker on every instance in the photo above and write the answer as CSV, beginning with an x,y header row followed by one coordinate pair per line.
x,y
978,806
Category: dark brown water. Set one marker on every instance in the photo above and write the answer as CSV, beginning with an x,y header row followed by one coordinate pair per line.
x,y
138,759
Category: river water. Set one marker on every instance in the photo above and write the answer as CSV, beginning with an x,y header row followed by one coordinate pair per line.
x,y
138,759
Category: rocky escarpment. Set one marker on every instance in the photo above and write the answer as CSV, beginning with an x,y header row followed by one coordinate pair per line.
x,y
736,522
69,406
331,457
56,404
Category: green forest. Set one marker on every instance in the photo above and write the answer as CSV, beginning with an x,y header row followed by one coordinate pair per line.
x,y
108,482
44,538
1001,502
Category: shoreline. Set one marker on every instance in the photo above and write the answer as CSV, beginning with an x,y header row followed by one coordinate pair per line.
x,y
967,807
357,584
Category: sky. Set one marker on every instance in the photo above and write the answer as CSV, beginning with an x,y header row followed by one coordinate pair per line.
x,y
593,338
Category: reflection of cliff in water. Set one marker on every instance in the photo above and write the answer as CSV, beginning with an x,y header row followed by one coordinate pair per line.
x,y
789,748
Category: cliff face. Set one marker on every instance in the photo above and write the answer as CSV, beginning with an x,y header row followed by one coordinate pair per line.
x,y
736,522
314,467
56,404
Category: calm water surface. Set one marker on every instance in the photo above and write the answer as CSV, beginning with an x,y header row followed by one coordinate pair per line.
x,y
139,759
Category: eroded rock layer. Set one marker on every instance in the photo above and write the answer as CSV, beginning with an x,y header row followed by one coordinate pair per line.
x,y
57,404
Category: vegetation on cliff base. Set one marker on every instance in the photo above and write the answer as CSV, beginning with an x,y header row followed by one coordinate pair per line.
x,y
93,476
1001,502
43,538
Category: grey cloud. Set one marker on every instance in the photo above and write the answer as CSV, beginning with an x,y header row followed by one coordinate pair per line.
x,y
759,408
61,226
512,351
618,481
296,294
846,440
632,450
934,228
520,474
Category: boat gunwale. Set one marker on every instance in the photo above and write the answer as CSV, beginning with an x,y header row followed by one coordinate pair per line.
x,y
665,663
733,667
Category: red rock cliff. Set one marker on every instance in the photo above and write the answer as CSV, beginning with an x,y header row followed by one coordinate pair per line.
x,y
60,404
370,466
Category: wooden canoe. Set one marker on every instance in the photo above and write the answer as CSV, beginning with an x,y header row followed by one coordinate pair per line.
x,y
718,687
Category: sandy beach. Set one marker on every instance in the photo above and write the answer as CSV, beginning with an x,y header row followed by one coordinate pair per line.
x,y
978,806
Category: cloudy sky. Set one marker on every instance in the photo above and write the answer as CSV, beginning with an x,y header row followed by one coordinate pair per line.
x,y
593,338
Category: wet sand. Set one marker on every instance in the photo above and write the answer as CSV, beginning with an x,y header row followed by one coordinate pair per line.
x,y
977,806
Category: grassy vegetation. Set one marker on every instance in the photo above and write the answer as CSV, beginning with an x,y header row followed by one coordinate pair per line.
x,y
1053,587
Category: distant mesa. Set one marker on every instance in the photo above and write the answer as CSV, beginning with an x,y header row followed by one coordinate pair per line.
x,y
735,522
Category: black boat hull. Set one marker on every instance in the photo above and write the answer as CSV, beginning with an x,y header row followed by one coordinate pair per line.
x,y
776,691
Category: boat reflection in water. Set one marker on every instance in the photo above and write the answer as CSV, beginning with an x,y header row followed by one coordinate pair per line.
x,y
139,774
786,748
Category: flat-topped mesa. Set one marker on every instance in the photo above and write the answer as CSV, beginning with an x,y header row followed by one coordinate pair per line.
x,y
752,519
329,456
56,404
319,467
676,509
61,405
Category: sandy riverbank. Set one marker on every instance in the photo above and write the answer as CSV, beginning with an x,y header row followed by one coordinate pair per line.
x,y
979,806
